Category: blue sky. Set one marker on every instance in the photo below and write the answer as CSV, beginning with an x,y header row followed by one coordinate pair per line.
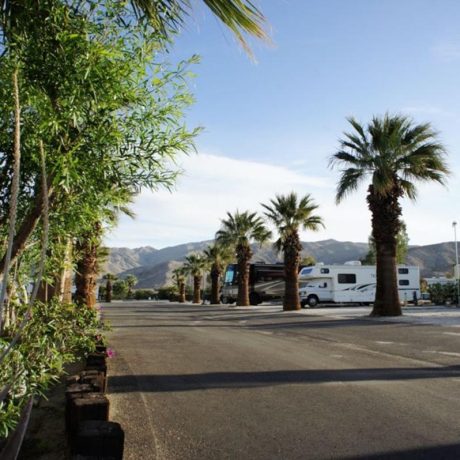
x,y
285,113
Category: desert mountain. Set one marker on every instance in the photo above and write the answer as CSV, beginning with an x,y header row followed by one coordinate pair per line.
x,y
153,267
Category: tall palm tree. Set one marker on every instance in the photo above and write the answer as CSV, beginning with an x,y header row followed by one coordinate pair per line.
x,y
290,214
131,281
179,277
195,264
217,256
238,231
395,153
109,277
90,254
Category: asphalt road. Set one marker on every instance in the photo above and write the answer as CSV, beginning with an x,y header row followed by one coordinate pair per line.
x,y
213,382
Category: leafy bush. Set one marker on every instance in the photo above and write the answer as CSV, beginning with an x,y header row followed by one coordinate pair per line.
x,y
144,294
168,293
443,293
120,289
55,335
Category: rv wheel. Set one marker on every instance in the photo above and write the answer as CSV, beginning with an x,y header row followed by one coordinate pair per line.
x,y
312,301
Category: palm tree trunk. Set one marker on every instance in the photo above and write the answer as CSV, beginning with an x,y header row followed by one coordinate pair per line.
x,y
385,226
86,273
182,292
244,256
108,291
215,286
197,289
387,301
291,299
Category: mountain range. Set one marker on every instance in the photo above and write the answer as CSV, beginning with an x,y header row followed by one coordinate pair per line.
x,y
153,267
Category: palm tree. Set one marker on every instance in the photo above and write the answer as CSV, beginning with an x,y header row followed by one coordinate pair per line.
x,y
195,264
89,252
238,232
290,214
179,277
217,256
395,153
108,286
131,281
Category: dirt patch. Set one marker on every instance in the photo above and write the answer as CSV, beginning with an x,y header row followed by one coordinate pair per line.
x,y
46,437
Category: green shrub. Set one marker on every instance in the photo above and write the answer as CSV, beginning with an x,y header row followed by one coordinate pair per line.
x,y
167,293
144,294
119,289
55,335
443,293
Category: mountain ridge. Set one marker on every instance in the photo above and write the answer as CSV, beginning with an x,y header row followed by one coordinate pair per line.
x,y
153,267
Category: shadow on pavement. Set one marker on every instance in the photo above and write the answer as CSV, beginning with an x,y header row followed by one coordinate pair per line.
x,y
216,380
444,452
233,323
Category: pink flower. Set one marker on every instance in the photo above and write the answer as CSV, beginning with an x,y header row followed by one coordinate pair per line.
x,y
110,353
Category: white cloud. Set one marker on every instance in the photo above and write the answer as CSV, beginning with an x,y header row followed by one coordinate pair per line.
x,y
213,185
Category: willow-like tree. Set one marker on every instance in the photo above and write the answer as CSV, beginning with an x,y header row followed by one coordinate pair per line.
x,y
218,257
237,232
395,153
289,214
241,17
195,264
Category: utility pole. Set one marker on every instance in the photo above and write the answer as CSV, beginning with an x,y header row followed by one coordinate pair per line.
x,y
457,268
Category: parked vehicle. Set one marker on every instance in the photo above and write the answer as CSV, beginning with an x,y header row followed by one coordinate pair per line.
x,y
352,283
266,282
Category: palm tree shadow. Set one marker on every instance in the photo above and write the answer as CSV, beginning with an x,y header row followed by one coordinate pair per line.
x,y
444,452
240,380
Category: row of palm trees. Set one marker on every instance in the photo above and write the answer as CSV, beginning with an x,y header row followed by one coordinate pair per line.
x,y
288,213
391,151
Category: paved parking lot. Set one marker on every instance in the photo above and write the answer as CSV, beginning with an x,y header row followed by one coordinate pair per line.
x,y
217,382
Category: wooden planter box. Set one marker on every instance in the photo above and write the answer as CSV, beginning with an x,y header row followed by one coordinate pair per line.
x,y
99,439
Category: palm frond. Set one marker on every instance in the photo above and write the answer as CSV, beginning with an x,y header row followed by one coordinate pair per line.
x,y
349,182
241,17
289,213
394,151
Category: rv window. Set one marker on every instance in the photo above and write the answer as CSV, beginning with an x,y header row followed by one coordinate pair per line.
x,y
229,275
306,271
325,270
403,271
404,282
346,278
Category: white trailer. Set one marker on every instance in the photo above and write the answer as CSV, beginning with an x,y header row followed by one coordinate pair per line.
x,y
352,283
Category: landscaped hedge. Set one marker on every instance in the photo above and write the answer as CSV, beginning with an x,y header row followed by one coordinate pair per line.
x,y
443,293
55,335
144,294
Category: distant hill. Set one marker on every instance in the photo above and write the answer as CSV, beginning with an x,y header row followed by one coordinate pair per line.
x,y
434,259
153,267
122,259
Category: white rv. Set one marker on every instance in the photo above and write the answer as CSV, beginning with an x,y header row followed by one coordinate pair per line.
x,y
352,283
